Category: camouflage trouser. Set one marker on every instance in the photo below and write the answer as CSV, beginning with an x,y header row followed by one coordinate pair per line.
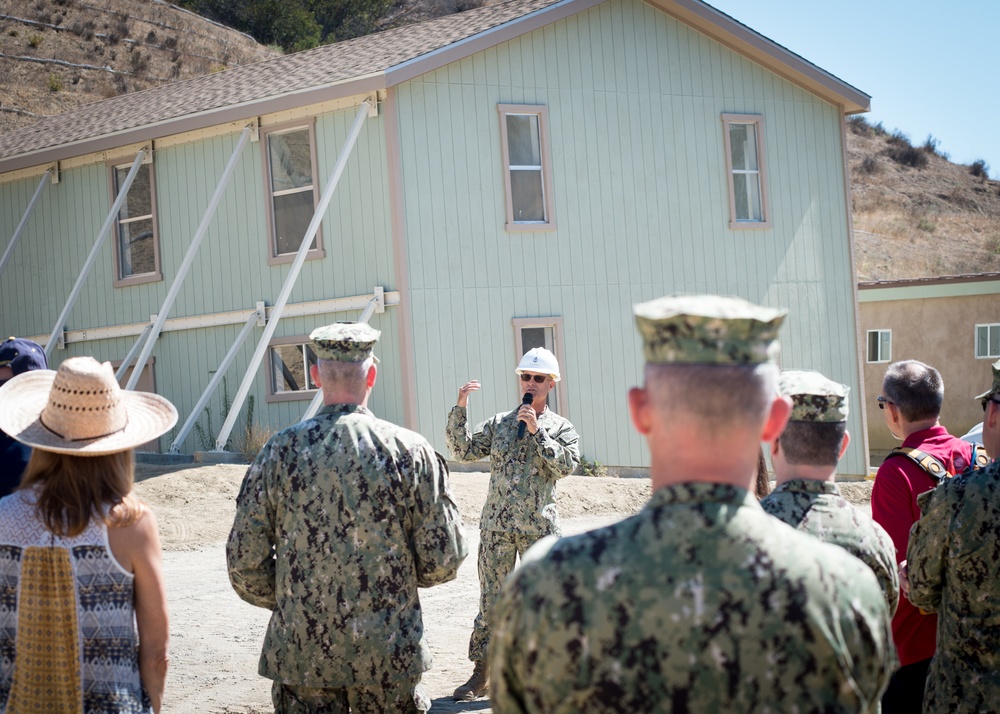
x,y
404,697
497,554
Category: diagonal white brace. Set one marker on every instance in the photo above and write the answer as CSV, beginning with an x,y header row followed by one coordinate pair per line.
x,y
92,258
292,277
192,251
24,220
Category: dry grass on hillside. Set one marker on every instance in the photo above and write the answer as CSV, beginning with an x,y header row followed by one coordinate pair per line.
x,y
58,54
910,221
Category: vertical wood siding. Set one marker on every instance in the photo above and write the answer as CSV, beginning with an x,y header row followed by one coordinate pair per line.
x,y
230,272
635,100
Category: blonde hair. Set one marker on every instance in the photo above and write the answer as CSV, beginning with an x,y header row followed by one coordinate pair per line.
x,y
73,489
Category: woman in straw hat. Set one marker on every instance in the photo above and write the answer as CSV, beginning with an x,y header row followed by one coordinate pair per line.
x,y
83,611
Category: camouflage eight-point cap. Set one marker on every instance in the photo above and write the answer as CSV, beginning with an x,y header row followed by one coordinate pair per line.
x,y
814,397
345,341
708,329
995,388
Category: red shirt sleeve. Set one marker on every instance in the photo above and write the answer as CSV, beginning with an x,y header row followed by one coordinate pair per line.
x,y
894,503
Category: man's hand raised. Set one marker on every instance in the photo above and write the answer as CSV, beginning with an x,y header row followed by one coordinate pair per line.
x,y
463,392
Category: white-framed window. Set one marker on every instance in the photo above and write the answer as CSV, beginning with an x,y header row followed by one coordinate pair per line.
x,y
745,165
292,190
547,332
137,241
288,363
527,174
988,341
879,346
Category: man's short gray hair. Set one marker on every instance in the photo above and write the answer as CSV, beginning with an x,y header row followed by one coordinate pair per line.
x,y
811,443
718,396
344,376
915,388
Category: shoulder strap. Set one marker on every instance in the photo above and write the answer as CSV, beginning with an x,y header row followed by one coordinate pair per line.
x,y
934,468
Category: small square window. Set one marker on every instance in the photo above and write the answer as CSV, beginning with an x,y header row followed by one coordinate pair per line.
x,y
547,332
744,140
292,193
137,248
527,175
288,363
987,341
879,346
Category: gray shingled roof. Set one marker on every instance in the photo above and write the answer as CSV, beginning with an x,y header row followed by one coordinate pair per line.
x,y
251,83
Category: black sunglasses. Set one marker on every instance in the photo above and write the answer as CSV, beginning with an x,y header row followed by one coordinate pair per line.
x,y
987,400
539,378
882,401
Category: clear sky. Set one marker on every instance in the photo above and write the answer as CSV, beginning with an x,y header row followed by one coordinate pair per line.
x,y
930,67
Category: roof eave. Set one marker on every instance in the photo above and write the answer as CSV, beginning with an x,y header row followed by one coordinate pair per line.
x,y
727,31
704,18
510,30
194,122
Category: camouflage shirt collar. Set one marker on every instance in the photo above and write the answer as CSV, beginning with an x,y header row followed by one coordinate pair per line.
x,y
700,492
805,485
344,409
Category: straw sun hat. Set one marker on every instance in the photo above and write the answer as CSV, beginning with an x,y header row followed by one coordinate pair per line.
x,y
81,410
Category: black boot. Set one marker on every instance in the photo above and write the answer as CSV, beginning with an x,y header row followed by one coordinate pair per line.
x,y
477,686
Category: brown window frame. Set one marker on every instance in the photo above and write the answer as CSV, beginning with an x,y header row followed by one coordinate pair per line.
x,y
273,257
542,112
765,207
141,278
301,395
558,336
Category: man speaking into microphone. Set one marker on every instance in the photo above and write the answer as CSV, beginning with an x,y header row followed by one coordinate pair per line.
x,y
529,448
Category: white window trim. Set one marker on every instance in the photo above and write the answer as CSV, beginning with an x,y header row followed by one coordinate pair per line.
x,y
273,258
880,360
299,396
765,207
139,278
975,340
542,112
556,323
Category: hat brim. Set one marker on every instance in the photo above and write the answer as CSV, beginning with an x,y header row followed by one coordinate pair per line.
x,y
984,395
24,397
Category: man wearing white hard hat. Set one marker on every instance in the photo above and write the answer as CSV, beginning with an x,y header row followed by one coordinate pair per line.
x,y
529,449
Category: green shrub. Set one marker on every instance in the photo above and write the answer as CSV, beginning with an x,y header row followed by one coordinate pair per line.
x,y
54,83
926,225
869,166
980,169
902,152
859,125
931,144
593,468
34,40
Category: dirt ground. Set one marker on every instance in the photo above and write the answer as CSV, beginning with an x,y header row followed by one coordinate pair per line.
x,y
216,637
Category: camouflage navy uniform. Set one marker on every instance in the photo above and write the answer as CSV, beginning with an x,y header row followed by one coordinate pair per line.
x,y
953,560
520,506
339,520
817,507
701,601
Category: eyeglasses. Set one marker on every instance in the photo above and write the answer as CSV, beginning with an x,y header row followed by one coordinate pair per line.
x,y
987,400
539,378
882,401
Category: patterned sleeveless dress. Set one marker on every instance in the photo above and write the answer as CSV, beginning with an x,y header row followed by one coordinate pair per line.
x,y
68,641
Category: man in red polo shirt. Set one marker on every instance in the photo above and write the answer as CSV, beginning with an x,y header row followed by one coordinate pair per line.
x,y
911,398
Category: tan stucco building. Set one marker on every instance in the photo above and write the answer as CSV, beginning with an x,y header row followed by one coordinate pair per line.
x,y
951,322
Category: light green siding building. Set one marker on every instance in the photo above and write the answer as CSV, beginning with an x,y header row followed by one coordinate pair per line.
x,y
529,170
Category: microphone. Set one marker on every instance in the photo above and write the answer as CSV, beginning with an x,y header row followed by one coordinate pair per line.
x,y
528,398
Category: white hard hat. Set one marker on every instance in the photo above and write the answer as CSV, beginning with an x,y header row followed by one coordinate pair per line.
x,y
539,360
